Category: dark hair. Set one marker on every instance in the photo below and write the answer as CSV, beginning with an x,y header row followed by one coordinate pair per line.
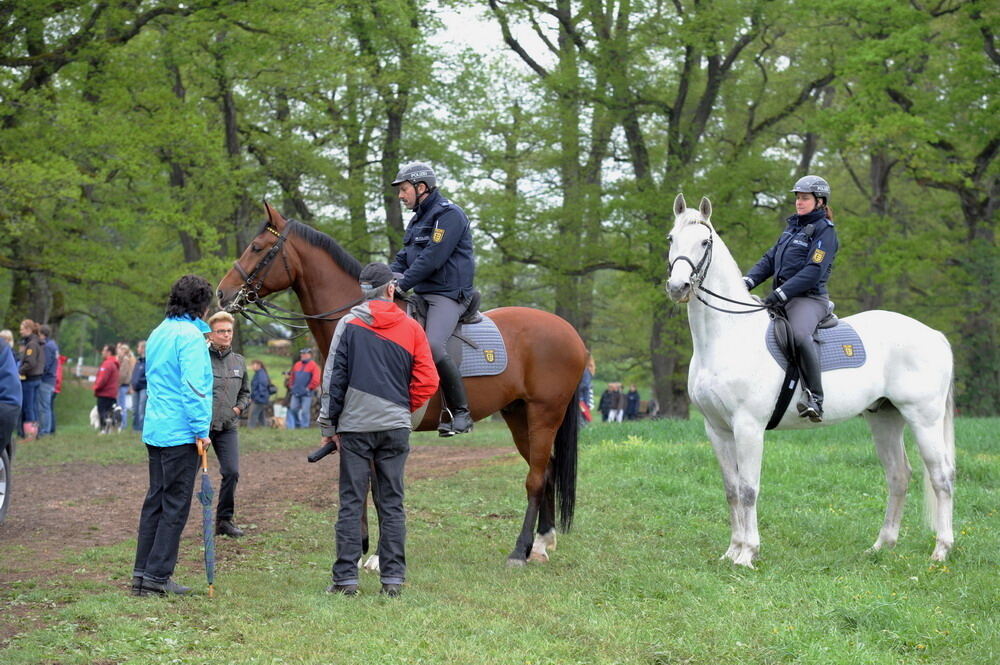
x,y
827,210
110,348
259,363
44,329
189,296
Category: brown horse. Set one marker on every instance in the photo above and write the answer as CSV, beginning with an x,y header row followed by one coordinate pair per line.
x,y
536,394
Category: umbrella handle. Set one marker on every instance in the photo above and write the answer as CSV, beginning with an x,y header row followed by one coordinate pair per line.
x,y
204,459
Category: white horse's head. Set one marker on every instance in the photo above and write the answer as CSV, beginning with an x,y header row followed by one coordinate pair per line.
x,y
690,247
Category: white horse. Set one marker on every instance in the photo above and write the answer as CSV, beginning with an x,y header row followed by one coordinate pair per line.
x,y
734,381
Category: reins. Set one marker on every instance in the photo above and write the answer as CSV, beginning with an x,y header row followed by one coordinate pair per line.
x,y
254,280
698,275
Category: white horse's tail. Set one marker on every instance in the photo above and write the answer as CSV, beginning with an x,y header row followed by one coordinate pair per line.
x,y
930,498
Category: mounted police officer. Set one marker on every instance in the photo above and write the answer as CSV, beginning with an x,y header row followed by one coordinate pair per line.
x,y
437,262
800,262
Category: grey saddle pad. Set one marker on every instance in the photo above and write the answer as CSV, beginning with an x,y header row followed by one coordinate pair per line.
x,y
840,347
489,357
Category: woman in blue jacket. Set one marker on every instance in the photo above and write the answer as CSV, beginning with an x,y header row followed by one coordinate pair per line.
x,y
178,415
800,262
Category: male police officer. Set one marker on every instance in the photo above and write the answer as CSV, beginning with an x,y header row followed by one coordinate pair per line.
x,y
437,262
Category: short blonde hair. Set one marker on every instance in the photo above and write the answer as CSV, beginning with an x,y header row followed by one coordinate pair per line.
x,y
221,316
7,335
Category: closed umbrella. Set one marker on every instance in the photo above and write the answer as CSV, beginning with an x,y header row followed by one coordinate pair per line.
x,y
205,496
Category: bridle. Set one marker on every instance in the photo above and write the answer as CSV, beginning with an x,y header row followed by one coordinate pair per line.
x,y
249,293
698,273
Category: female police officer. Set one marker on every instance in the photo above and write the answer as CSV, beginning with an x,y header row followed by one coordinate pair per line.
x,y
801,261
437,262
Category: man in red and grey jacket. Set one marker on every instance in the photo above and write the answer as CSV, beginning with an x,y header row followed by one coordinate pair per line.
x,y
378,371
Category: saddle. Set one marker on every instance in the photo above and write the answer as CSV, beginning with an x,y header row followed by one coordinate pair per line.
x,y
476,345
840,347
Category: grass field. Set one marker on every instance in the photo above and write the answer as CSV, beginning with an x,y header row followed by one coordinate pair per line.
x,y
638,580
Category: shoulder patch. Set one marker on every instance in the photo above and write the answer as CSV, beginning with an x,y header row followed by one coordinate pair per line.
x,y
438,235
818,255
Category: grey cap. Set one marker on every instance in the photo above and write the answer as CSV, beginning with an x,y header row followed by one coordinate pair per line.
x,y
375,275
416,172
813,184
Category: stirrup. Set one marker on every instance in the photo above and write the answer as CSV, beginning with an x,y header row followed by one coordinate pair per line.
x,y
446,429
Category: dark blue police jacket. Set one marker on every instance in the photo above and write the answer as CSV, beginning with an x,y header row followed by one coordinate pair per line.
x,y
802,259
437,254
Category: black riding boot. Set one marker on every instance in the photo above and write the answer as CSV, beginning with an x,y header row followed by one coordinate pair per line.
x,y
811,404
453,391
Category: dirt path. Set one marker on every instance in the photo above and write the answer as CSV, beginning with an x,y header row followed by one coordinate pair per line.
x,y
72,506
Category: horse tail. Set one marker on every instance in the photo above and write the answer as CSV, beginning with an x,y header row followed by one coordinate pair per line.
x,y
948,437
563,464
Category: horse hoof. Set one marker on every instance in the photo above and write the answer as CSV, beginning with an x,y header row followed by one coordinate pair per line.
x,y
372,564
515,563
538,557
940,552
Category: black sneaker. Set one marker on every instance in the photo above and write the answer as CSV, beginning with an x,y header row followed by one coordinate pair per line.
x,y
811,408
150,588
227,528
343,589
392,590
137,585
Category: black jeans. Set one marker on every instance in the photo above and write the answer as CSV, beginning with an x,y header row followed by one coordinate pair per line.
x,y
172,471
226,444
388,450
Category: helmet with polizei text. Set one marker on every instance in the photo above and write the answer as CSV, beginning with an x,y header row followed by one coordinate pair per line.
x,y
415,172
813,184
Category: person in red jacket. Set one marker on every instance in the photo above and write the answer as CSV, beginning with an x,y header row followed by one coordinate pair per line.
x,y
378,371
302,383
106,387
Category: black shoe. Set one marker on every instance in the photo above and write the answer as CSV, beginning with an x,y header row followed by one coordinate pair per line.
x,y
343,589
810,407
392,590
150,588
227,528
461,423
136,585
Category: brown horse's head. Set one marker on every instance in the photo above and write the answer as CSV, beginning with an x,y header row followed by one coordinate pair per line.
x,y
263,268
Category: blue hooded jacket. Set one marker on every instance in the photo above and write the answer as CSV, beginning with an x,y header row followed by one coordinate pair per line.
x,y
179,383
10,378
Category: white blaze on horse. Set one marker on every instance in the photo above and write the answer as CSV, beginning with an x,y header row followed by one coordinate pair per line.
x,y
733,380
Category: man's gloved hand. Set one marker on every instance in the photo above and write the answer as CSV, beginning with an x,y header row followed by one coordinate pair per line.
x,y
748,282
397,276
773,299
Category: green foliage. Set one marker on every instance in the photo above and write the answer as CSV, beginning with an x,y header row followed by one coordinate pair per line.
x,y
137,139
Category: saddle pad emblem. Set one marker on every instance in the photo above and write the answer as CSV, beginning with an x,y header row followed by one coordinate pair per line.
x,y
849,350
490,355
818,256
438,235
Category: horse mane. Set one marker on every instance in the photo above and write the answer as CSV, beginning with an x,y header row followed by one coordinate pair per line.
x,y
316,238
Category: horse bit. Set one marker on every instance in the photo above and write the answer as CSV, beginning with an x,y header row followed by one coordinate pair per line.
x,y
698,273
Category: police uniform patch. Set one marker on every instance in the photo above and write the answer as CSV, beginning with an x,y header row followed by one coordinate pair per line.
x,y
438,235
818,256
28,352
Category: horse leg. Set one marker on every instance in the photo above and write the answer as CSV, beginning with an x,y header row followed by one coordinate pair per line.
x,y
533,428
932,436
724,446
886,425
748,436
545,538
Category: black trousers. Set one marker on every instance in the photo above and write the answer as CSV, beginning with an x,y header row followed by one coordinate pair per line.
x,y
226,443
105,406
172,471
388,450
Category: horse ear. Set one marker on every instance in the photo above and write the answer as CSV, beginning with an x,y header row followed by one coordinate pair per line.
x,y
705,208
679,204
274,218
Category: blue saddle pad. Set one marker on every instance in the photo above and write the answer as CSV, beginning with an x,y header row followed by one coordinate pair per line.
x,y
489,357
840,347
